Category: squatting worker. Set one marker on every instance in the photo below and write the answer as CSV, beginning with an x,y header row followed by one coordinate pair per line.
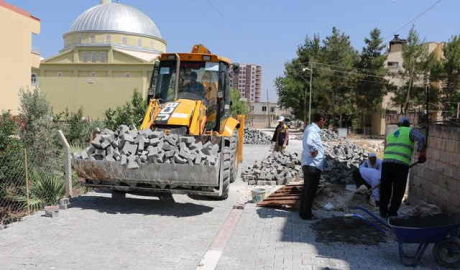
x,y
395,166
312,163
281,136
369,174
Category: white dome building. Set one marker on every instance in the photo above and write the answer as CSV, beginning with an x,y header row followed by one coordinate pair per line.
x,y
108,53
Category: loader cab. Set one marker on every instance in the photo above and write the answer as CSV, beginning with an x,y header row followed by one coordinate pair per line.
x,y
203,77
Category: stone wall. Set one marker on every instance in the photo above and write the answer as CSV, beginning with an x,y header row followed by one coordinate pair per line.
x,y
438,180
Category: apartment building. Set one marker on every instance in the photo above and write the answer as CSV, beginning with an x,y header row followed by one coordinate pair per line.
x,y
17,58
248,81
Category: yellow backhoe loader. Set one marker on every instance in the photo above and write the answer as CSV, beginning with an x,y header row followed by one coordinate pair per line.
x,y
189,95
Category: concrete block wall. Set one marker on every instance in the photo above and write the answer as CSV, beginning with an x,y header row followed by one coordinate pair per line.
x,y
438,180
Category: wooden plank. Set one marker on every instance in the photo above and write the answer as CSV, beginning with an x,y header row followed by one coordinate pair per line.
x,y
282,198
278,203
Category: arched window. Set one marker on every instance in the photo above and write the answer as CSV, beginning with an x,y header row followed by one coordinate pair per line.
x,y
79,39
34,80
104,57
94,57
139,42
124,40
85,57
93,39
108,39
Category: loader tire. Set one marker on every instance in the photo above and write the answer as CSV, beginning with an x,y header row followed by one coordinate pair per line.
x,y
233,156
118,195
226,173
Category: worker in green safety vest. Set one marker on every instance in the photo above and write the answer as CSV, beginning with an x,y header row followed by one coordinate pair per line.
x,y
395,165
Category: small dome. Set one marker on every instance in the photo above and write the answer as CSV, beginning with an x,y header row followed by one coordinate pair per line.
x,y
115,17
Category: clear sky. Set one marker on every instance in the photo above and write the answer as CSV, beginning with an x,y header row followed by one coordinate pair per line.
x,y
264,32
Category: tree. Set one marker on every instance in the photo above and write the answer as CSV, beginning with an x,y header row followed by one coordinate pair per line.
x,y
447,72
291,87
416,62
371,85
131,113
339,82
239,107
332,60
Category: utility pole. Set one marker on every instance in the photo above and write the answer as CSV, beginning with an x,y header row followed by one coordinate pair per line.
x,y
458,109
268,110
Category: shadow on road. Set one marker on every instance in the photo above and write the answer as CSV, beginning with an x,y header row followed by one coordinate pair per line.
x,y
139,206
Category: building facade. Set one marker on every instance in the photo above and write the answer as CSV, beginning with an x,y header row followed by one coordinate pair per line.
x,y
376,123
108,54
248,81
264,114
17,58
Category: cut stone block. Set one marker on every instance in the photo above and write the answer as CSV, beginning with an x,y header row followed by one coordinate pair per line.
x,y
52,211
97,141
124,159
170,153
83,155
179,160
123,129
128,138
168,147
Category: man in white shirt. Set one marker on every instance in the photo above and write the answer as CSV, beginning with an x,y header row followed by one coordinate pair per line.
x,y
369,174
312,163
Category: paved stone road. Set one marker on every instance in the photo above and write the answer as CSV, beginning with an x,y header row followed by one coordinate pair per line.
x,y
279,240
145,233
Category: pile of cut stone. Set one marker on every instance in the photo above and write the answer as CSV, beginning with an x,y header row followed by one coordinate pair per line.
x,y
135,148
277,169
341,160
327,135
254,136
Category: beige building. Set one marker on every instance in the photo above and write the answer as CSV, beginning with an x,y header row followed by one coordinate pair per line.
x,y
376,123
249,81
16,55
107,54
264,114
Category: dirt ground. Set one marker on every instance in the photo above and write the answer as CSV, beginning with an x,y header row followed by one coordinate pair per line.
x,y
346,230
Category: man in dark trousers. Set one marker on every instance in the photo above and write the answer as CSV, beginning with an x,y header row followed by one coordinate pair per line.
x,y
312,163
395,165
281,135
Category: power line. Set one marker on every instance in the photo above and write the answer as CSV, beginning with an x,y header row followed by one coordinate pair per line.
x,y
215,8
414,19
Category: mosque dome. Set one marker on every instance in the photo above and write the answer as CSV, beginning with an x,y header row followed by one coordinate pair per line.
x,y
115,18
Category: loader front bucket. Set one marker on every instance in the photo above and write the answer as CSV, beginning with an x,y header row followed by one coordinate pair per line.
x,y
152,177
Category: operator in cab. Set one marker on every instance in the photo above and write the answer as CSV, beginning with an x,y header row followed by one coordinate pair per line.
x,y
193,86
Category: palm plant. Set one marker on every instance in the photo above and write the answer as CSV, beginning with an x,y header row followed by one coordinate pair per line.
x,y
45,189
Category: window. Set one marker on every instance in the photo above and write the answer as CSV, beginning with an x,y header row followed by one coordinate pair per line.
x,y
139,42
128,75
34,79
393,64
104,57
272,109
93,39
59,74
264,108
151,43
93,74
124,40
108,39
94,57
85,57
79,39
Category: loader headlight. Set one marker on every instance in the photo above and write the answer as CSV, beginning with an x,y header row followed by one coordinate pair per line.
x,y
171,57
206,58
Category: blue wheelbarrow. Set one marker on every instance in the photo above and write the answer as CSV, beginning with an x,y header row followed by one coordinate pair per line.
x,y
442,230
